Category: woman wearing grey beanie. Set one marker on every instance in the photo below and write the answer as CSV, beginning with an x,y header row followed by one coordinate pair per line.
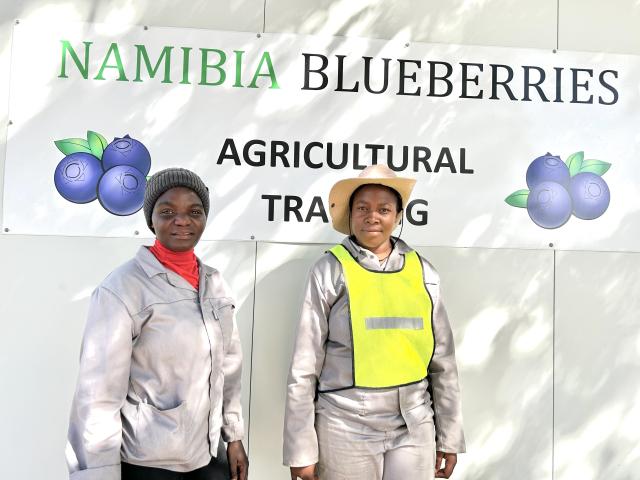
x,y
160,365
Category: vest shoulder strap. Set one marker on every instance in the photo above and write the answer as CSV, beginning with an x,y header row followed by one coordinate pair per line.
x,y
412,259
341,253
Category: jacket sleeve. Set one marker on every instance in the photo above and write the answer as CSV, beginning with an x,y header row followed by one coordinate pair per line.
x,y
95,427
232,422
300,441
443,382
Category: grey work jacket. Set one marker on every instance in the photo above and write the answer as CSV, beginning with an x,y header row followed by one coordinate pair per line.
x,y
322,361
160,370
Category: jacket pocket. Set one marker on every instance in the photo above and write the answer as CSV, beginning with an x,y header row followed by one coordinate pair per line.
x,y
159,437
223,311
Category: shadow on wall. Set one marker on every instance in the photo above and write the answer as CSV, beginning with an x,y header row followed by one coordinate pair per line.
x,y
500,305
597,366
240,15
281,277
504,23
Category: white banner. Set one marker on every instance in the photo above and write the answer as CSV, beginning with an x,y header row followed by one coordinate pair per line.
x,y
271,121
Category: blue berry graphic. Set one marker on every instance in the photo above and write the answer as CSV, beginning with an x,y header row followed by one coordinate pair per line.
x,y
76,177
557,189
549,205
127,151
547,168
121,190
590,195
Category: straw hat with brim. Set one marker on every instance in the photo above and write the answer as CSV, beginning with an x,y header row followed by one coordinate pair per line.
x,y
375,175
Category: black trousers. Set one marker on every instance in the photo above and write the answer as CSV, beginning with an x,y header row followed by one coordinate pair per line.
x,y
213,471
218,469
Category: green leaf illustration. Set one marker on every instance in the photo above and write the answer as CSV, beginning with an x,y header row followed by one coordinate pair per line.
x,y
97,143
72,145
595,166
574,162
518,198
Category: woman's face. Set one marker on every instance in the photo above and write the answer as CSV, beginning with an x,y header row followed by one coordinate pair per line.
x,y
373,215
178,219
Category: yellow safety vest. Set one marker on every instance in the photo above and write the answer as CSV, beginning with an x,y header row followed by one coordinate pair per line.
x,y
391,322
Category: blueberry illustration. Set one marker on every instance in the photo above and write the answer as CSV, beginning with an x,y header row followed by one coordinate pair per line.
x,y
127,151
590,195
549,205
76,177
121,190
547,168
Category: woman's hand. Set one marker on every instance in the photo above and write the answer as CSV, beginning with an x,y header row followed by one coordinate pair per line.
x,y
305,473
238,461
450,460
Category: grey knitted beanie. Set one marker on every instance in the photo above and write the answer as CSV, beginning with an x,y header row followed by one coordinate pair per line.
x,y
170,178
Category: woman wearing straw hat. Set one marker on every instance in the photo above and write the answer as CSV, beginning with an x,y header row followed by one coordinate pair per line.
x,y
160,368
373,388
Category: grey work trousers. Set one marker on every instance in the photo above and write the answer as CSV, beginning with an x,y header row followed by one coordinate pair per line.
x,y
354,450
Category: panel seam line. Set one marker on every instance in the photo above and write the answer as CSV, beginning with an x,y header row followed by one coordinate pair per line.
x,y
253,329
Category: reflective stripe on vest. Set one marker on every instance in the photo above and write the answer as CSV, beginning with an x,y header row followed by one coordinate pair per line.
x,y
391,326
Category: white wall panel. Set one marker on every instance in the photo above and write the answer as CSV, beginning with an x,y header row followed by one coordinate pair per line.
x,y
239,15
597,379
281,274
45,285
500,305
508,23
596,26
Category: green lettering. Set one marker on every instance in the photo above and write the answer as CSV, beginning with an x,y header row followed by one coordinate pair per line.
x,y
186,54
67,48
266,58
217,66
165,57
238,82
113,49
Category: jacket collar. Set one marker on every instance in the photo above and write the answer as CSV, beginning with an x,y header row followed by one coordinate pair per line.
x,y
149,263
205,270
152,267
357,251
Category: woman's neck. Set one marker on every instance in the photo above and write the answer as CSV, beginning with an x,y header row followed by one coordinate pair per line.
x,y
184,264
382,251
172,254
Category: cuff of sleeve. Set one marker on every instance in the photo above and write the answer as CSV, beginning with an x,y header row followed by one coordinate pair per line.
x,y
110,472
449,434
445,447
300,462
232,431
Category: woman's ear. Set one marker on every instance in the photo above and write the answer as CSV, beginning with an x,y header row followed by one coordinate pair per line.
x,y
399,218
